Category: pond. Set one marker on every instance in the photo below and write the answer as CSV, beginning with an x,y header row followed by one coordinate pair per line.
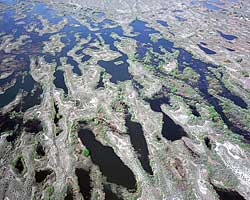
x,y
84,183
227,36
107,160
206,50
163,23
170,130
139,143
59,81
227,194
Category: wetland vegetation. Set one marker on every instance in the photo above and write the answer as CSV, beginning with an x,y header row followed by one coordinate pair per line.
x,y
116,100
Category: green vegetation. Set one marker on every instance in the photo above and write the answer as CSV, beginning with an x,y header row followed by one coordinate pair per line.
x,y
85,152
147,59
160,67
96,121
213,114
190,74
174,72
237,139
220,173
74,126
148,67
50,190
174,89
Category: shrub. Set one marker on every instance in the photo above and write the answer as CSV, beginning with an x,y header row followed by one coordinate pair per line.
x,y
85,152
173,89
213,114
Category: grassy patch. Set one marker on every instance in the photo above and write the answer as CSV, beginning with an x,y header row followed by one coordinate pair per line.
x,y
173,89
213,114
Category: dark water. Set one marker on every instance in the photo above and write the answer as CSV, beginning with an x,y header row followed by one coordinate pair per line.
x,y
230,49
100,83
139,143
170,130
57,116
69,194
203,43
119,71
33,126
84,183
41,175
75,65
8,79
227,36
86,58
180,19
208,142
109,195
194,111
59,81
13,124
227,194
201,68
10,94
156,103
33,93
26,83
211,6
137,86
34,47
32,99
206,50
143,29
19,165
163,23
109,163
40,150
234,98
178,11
144,42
